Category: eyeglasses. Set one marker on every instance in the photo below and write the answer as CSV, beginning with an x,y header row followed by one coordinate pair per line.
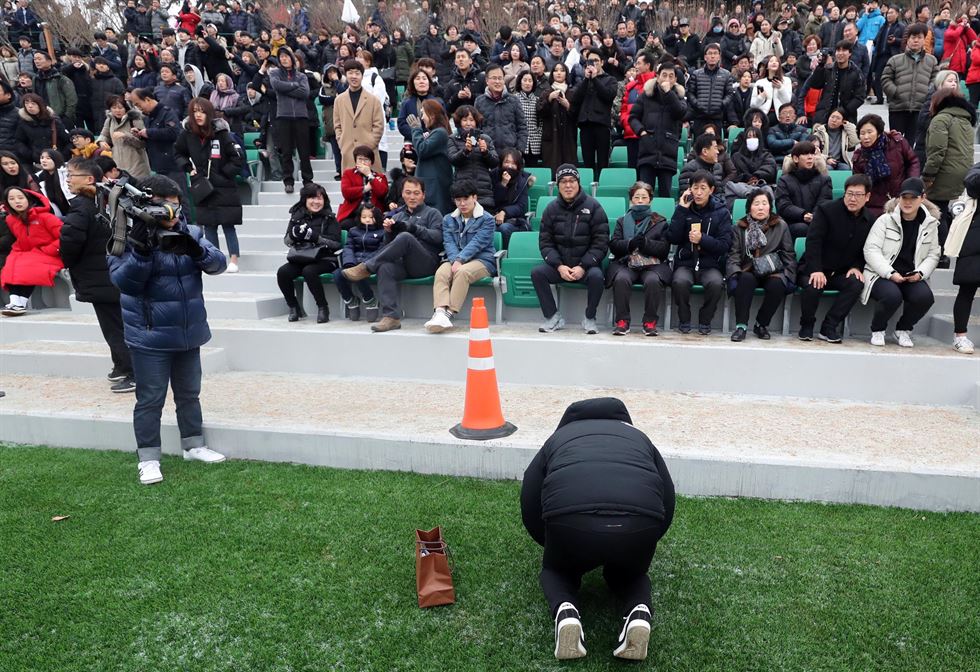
x,y
855,194
594,61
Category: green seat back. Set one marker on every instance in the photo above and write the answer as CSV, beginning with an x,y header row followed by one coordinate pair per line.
x,y
732,134
664,207
800,245
523,254
738,209
619,158
685,139
250,139
837,179
615,207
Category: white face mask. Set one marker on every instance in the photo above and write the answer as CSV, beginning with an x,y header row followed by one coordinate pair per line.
x,y
752,144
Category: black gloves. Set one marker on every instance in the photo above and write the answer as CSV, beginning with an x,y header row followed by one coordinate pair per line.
x,y
635,243
302,233
139,237
193,248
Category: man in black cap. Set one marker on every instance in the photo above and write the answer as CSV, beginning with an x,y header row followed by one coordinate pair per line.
x,y
687,46
598,494
574,239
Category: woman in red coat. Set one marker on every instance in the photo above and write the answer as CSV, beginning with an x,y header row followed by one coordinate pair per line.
x,y
188,18
958,38
359,184
34,258
973,75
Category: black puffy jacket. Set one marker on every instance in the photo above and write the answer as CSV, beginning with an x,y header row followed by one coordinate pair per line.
x,y
795,198
9,119
83,249
596,461
592,99
475,166
759,163
660,115
325,227
716,235
846,88
574,234
362,244
34,136
707,91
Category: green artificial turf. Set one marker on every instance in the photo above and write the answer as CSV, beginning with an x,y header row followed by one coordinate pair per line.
x,y
250,566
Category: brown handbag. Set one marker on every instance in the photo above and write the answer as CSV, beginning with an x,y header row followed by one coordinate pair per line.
x,y
433,574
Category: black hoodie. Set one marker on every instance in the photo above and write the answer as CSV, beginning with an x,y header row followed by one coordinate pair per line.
x,y
596,461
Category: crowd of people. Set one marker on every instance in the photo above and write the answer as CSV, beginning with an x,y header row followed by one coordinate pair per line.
x,y
761,106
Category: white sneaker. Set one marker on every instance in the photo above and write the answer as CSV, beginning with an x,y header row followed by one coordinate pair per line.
x,y
232,267
904,339
203,455
963,345
569,638
634,638
150,472
878,338
441,321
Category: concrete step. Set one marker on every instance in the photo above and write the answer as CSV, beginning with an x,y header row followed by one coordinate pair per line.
x,y
78,359
256,241
332,187
229,305
941,328
262,262
255,282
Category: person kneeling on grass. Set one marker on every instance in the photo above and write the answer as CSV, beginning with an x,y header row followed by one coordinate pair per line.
x,y
165,324
467,236
598,494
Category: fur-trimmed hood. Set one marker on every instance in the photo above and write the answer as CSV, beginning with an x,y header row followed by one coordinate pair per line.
x,y
769,224
891,208
820,164
958,102
218,125
650,86
22,113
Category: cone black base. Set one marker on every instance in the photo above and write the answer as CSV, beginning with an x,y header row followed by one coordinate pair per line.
x,y
461,432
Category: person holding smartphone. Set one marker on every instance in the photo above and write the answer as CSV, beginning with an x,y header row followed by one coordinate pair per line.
x,y
901,252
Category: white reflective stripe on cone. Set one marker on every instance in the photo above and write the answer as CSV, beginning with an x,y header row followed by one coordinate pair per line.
x,y
480,363
480,334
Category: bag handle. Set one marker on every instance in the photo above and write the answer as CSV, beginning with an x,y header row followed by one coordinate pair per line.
x,y
437,547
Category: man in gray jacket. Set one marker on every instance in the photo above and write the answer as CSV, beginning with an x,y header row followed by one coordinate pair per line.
x,y
503,116
906,79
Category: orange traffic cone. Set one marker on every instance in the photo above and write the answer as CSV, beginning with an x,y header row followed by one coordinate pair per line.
x,y
482,417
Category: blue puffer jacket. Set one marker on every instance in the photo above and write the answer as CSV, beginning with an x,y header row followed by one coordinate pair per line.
x,y
162,295
716,235
362,244
466,240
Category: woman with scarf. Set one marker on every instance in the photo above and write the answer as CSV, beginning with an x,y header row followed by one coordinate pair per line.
x,y
224,98
128,150
53,180
559,140
762,257
886,158
640,248
526,93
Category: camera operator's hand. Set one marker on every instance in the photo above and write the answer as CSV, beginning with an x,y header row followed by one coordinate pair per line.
x,y
193,249
139,237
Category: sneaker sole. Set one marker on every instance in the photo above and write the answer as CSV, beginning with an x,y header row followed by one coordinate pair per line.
x,y
116,379
13,313
620,333
806,339
151,481
551,331
128,390
634,646
194,459
569,644
829,340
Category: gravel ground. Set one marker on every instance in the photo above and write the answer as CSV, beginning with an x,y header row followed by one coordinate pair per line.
x,y
868,435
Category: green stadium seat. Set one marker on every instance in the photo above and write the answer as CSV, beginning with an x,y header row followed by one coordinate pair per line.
x,y
523,255
615,207
738,209
251,138
663,206
539,211
685,141
615,181
542,185
618,158
732,134
838,178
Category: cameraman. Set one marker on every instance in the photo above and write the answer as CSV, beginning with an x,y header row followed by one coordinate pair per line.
x,y
165,324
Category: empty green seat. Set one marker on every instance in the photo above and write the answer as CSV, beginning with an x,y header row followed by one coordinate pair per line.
x,y
523,254
619,158
837,179
663,206
615,207
615,181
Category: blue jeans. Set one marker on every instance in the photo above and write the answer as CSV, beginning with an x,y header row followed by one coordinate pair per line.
x,y
344,286
231,237
154,370
509,226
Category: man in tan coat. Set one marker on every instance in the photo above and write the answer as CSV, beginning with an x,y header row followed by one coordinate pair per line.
x,y
358,118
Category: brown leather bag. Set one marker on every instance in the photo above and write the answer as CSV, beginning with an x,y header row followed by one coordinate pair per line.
x,y
433,575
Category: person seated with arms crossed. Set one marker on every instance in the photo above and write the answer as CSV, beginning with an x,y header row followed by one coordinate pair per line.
x,y
574,239
702,229
467,237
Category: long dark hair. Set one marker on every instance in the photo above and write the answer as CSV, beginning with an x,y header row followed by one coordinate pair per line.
x,y
51,181
204,105
22,179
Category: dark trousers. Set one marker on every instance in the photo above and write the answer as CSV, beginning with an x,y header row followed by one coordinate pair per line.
x,y
544,276
876,82
623,545
346,287
850,291
905,122
595,146
293,135
21,290
659,179
962,306
917,297
509,226
154,371
714,287
775,290
335,150
632,152
974,90
945,219
697,125
404,257
798,229
289,271
110,320
654,281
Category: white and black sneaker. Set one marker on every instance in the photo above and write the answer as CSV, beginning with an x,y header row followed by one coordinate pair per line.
x,y
569,638
635,635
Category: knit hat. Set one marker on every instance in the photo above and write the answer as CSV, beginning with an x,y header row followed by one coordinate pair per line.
x,y
566,170
408,152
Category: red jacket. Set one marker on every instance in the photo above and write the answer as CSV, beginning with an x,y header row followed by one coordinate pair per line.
x,y
34,258
955,43
973,74
189,20
352,189
632,91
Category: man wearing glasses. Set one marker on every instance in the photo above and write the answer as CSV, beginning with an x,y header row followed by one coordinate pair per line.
x,y
83,250
834,258
592,99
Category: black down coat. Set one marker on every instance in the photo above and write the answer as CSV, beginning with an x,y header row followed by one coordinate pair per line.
x,y
222,206
9,120
660,115
596,461
325,227
362,244
574,234
474,166
795,197
83,249
35,135
758,164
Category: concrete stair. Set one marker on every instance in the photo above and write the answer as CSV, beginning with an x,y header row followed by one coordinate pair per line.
x,y
77,359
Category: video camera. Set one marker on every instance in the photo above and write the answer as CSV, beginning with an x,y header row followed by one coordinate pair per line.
x,y
121,203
